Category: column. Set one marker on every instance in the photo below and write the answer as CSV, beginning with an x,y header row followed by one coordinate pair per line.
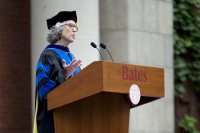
x,y
140,32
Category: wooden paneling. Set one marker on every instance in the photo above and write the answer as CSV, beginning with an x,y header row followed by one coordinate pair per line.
x,y
119,77
100,113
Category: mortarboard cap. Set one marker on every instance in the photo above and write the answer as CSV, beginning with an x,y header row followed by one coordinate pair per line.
x,y
61,17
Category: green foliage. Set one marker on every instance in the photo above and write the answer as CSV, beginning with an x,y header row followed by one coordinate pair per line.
x,y
187,45
187,53
188,124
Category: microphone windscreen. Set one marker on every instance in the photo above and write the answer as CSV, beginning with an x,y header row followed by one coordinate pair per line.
x,y
103,46
93,45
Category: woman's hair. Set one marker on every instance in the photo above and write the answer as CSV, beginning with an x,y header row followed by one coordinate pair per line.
x,y
55,32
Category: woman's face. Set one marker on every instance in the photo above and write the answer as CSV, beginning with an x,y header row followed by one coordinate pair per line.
x,y
68,33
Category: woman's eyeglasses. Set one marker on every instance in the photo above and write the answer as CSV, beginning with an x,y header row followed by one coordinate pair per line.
x,y
72,26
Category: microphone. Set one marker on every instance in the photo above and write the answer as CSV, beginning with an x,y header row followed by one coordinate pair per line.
x,y
104,47
95,46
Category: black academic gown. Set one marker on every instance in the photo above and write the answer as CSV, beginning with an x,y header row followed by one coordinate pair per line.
x,y
49,74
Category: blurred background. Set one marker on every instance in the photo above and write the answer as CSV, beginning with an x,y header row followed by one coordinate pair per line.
x,y
158,33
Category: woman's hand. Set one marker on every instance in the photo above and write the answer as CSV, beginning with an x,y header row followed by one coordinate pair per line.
x,y
71,67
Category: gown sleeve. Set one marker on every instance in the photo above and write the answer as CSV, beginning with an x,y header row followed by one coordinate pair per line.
x,y
49,73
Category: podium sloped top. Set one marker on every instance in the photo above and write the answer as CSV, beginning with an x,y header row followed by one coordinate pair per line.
x,y
103,76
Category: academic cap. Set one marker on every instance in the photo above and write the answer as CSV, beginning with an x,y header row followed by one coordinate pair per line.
x,y
61,17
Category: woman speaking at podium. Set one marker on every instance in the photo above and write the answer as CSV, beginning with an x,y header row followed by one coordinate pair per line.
x,y
55,65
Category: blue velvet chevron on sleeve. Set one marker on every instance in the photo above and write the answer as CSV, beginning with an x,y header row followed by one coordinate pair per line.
x,y
43,83
49,73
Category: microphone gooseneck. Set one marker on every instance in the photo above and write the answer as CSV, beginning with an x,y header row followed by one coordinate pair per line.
x,y
104,47
95,46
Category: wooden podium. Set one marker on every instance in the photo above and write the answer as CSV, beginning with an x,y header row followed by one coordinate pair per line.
x,y
95,100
